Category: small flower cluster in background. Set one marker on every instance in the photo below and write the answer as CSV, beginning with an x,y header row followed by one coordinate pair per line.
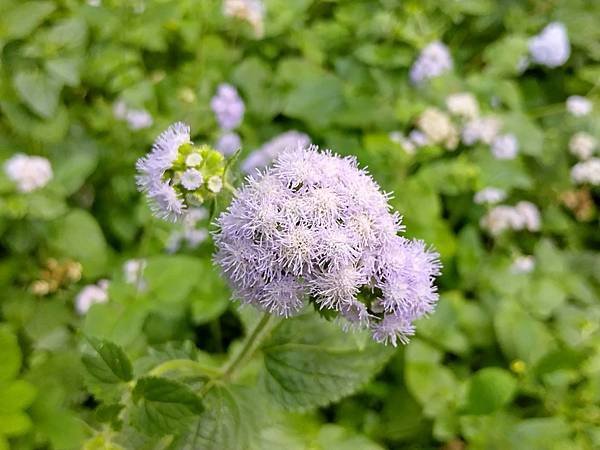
x,y
190,233
229,109
28,173
523,216
433,61
137,119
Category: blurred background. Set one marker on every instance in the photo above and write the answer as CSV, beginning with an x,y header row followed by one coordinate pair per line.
x,y
482,116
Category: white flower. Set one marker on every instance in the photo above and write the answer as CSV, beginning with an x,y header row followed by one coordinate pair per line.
x,y
28,172
523,264
463,104
433,61
489,195
483,129
229,143
582,145
587,172
94,3
191,179
91,295
252,11
530,215
438,128
579,106
193,160
551,47
215,184
505,146
500,219
524,215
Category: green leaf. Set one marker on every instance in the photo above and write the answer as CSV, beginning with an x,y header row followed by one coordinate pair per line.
x,y
110,365
65,70
172,278
10,354
16,396
23,18
489,390
315,100
14,424
521,336
163,406
309,362
78,236
38,91
231,417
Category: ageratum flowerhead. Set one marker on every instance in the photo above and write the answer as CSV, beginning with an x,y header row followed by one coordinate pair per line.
x,y
177,175
315,228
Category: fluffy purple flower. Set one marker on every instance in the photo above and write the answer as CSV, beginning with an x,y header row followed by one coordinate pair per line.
x,y
228,107
315,228
229,143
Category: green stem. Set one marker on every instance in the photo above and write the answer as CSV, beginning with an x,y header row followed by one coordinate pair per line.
x,y
250,345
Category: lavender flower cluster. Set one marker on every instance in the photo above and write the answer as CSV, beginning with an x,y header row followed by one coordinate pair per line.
x,y
264,155
229,110
317,228
433,61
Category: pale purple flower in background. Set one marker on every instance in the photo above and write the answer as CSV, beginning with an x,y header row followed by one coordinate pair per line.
x,y
133,271
489,196
29,173
398,138
190,233
228,107
579,106
433,61
582,145
228,143
138,119
551,46
482,129
438,128
505,146
587,172
523,264
264,155
90,295
316,228
165,202
418,138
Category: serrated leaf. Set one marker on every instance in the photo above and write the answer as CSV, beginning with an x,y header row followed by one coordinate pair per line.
x,y
310,362
231,417
489,390
110,365
163,406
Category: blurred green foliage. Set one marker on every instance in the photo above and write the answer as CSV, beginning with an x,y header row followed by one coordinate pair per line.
x,y
508,360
